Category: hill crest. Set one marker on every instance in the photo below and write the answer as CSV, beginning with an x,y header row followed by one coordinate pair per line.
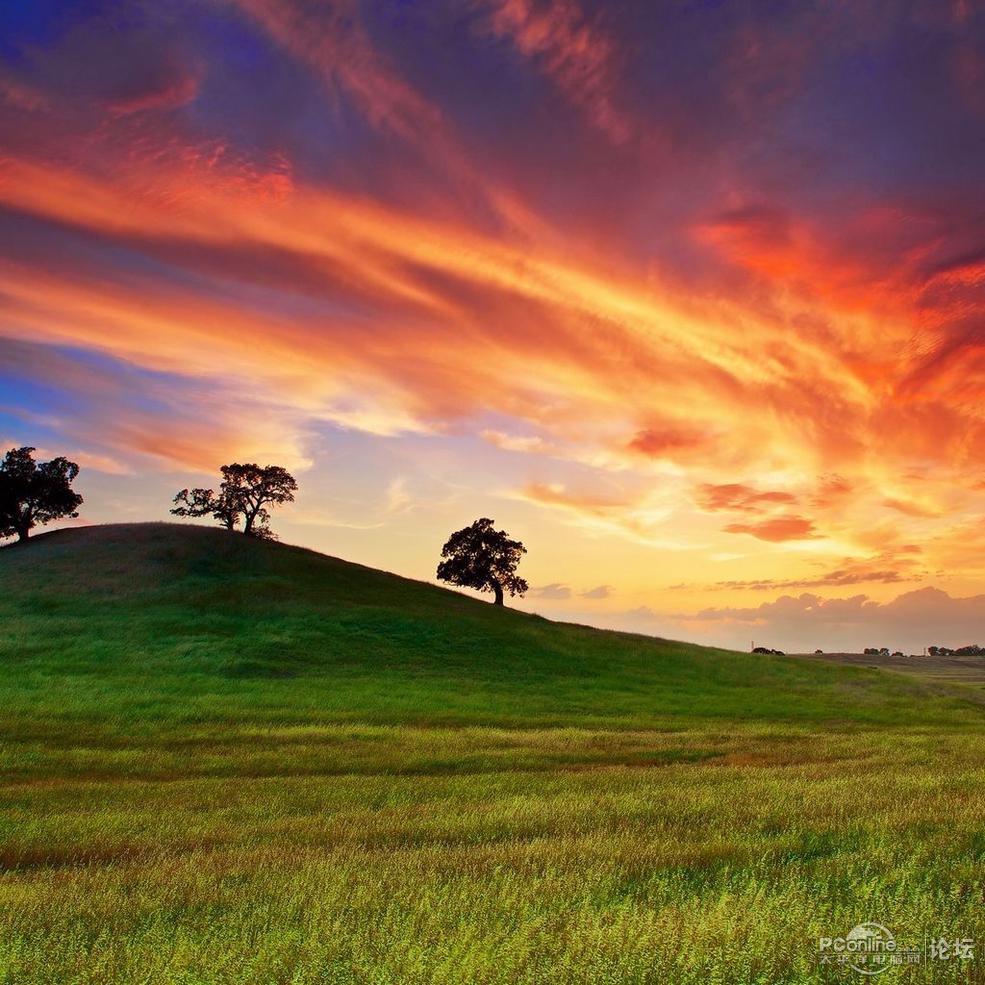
x,y
162,616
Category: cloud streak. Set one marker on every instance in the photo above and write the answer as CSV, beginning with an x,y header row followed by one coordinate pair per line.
x,y
576,54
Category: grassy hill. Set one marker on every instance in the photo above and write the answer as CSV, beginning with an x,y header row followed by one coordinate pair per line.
x,y
233,761
183,623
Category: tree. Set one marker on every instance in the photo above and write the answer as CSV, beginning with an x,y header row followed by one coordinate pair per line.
x,y
33,493
207,502
245,493
485,559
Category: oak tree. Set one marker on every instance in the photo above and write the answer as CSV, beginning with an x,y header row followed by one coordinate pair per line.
x,y
485,559
244,494
34,493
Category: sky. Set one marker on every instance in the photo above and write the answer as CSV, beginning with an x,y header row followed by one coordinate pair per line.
x,y
689,296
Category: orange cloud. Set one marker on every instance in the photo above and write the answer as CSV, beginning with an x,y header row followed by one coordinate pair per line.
x,y
911,508
776,529
739,498
670,441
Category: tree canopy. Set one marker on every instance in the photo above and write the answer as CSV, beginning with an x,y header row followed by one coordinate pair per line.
x,y
244,494
34,493
485,559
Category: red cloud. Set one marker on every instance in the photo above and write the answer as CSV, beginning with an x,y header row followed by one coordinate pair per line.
x,y
659,442
176,89
777,529
738,497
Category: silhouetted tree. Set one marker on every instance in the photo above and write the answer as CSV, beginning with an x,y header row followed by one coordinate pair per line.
x,y
205,502
33,493
245,493
485,559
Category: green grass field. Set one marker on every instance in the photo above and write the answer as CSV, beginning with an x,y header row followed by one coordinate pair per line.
x,y
227,761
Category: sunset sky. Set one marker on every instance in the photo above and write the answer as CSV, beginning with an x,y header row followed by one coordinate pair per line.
x,y
689,295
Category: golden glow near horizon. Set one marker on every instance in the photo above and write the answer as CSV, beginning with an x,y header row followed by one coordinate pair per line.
x,y
719,397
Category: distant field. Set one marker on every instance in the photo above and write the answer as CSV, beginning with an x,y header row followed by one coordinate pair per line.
x,y
234,762
953,670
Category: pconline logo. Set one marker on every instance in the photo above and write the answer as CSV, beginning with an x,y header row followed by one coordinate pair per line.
x,y
869,948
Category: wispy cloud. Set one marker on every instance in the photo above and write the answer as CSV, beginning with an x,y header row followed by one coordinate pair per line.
x,y
573,50
599,592
331,40
740,498
553,591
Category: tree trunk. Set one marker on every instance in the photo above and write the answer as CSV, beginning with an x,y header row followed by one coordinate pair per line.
x,y
498,589
23,522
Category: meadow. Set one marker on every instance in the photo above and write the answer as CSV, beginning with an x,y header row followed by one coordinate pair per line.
x,y
227,761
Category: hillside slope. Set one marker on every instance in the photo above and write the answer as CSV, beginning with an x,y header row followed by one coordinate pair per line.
x,y
162,621
227,761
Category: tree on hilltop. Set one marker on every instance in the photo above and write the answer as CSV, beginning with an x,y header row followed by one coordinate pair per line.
x,y
485,559
206,502
244,494
33,493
